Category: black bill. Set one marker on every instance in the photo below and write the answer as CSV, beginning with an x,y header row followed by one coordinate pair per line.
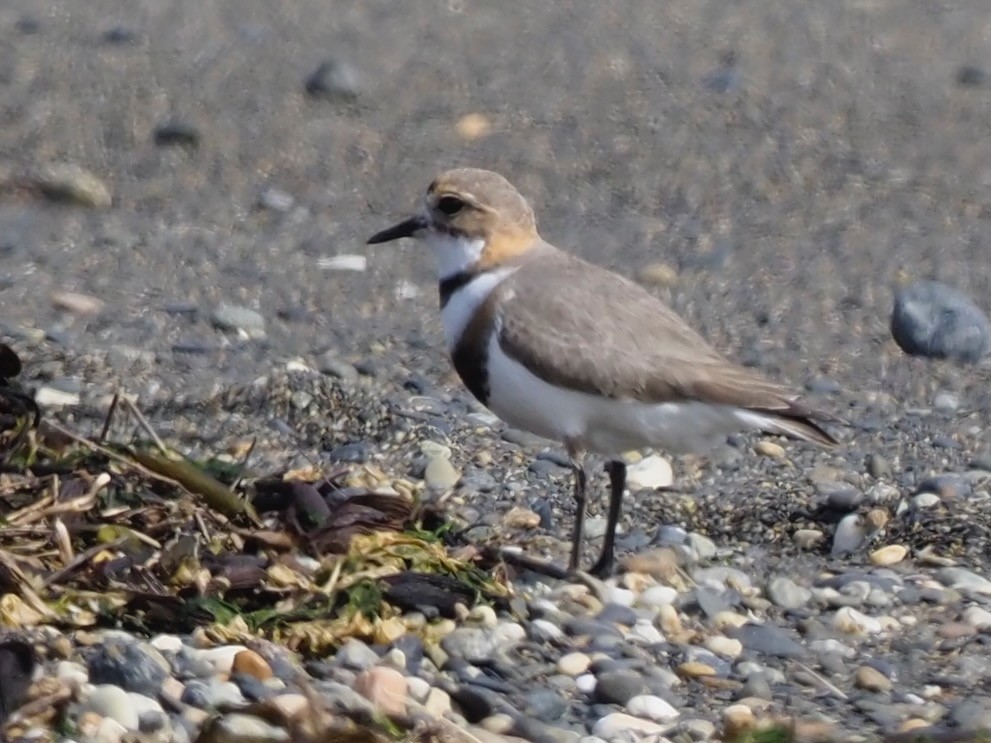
x,y
406,228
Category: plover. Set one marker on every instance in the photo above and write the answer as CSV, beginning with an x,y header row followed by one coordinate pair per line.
x,y
577,354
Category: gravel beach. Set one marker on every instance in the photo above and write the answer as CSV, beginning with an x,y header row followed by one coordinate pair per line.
x,y
185,192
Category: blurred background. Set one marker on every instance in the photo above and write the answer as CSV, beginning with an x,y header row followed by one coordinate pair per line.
x,y
772,169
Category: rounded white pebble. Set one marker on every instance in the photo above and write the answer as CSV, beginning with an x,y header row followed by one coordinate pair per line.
x,y
650,707
585,683
621,596
657,596
548,629
166,643
644,632
417,688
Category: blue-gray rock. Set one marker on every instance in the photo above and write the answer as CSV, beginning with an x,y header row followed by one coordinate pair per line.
x,y
617,614
545,705
934,320
357,655
766,639
973,713
618,687
132,666
213,694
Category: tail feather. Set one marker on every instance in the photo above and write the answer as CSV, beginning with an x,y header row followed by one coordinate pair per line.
x,y
796,423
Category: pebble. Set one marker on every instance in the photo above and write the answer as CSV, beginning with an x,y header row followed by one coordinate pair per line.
x,y
871,679
221,659
333,79
965,581
651,707
70,183
770,449
344,262
473,126
851,533
890,555
933,320
650,473
177,133
386,688
113,702
727,647
232,317
252,664
440,474
77,303
787,594
618,687
615,724
241,728
737,720
978,617
658,274
49,397
767,639
695,669
132,666
356,655
657,596
573,664
850,621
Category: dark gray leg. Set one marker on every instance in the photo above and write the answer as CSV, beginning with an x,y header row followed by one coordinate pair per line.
x,y
577,533
617,484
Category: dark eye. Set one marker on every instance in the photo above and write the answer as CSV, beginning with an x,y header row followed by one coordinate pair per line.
x,y
450,205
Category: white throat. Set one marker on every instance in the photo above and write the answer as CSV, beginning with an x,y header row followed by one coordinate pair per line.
x,y
453,255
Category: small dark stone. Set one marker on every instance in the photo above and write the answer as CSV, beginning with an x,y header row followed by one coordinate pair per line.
x,y
970,76
129,665
412,647
544,468
823,386
945,442
120,35
17,663
557,457
474,703
335,80
193,347
543,509
151,721
357,452
197,694
618,687
934,320
28,25
253,689
841,497
177,133
181,308
578,626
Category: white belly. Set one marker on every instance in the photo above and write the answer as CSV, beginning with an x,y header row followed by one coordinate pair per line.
x,y
603,425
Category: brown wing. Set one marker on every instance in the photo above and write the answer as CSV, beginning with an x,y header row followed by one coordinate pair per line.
x,y
580,326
